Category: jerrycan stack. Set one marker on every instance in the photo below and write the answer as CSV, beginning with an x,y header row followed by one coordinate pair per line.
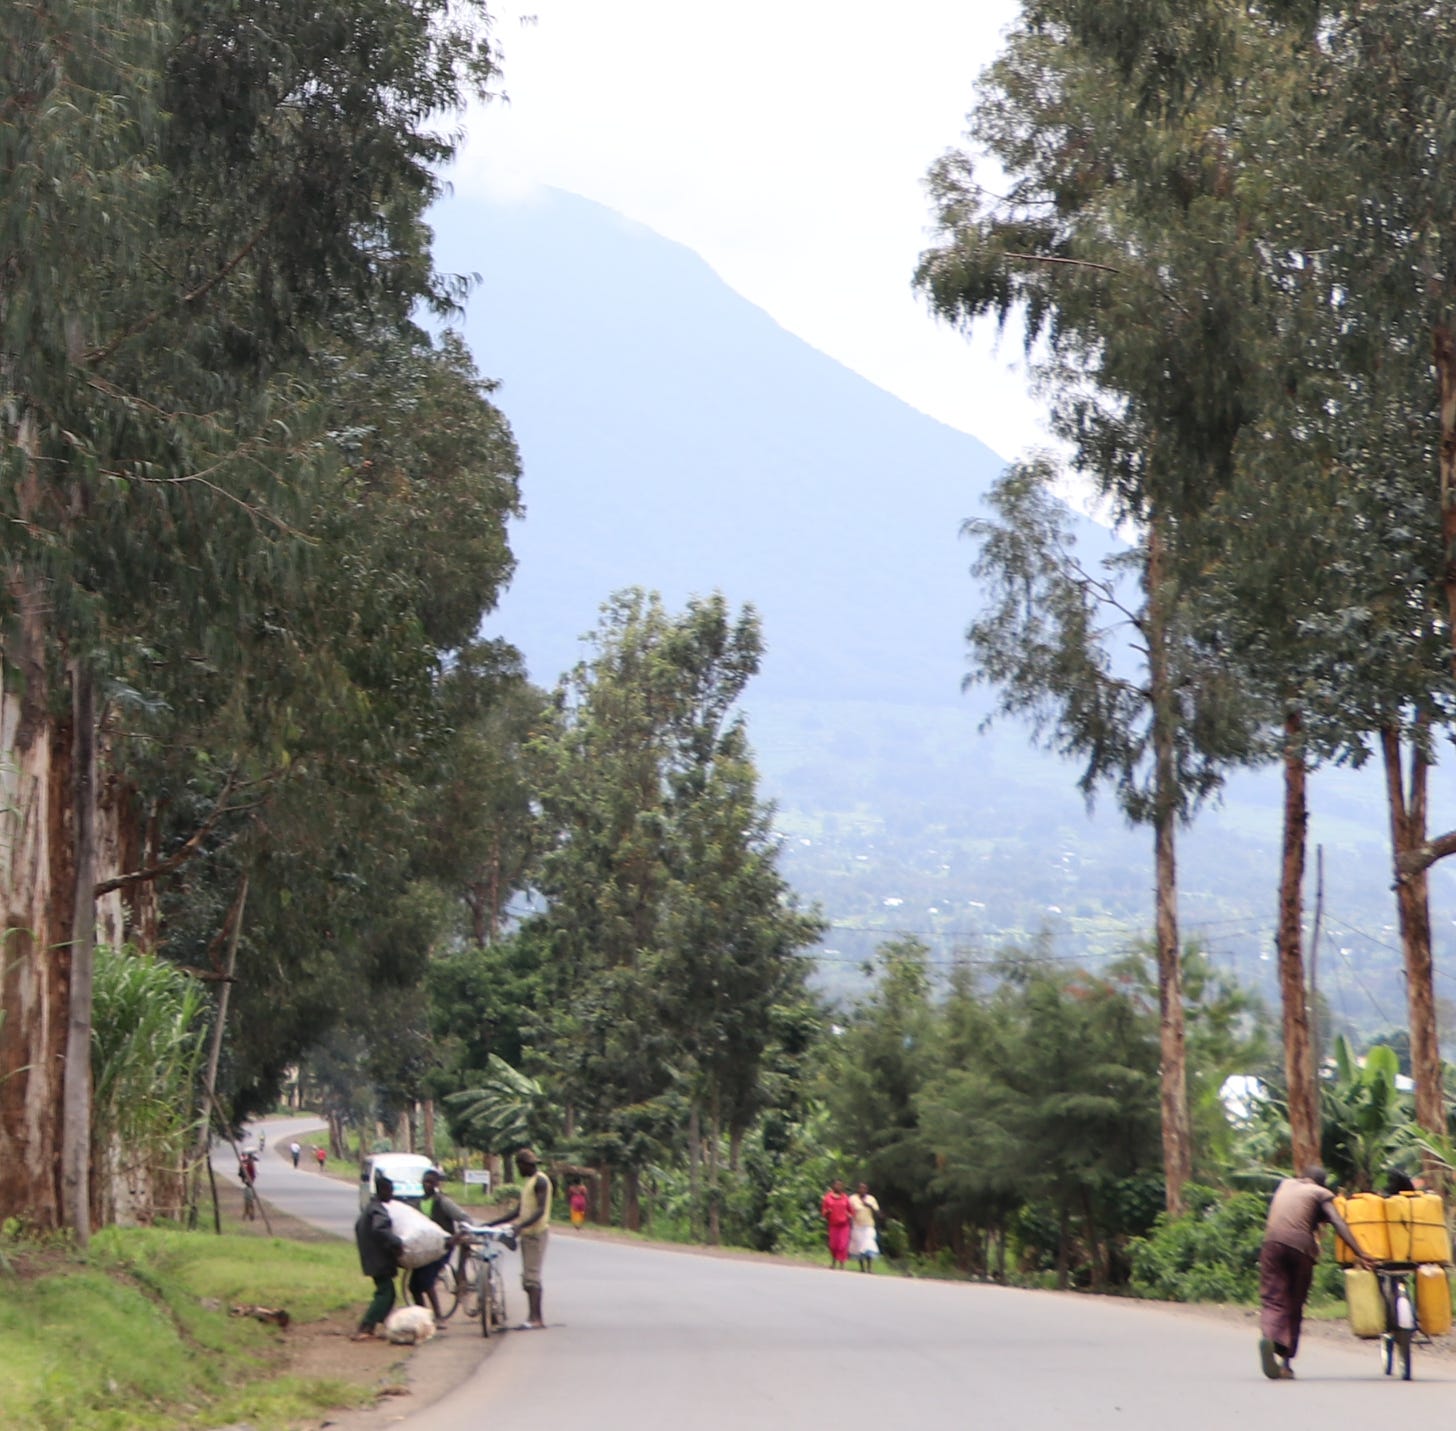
x,y
1408,1231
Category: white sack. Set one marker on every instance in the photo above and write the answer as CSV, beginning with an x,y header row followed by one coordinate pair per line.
x,y
406,1326
424,1241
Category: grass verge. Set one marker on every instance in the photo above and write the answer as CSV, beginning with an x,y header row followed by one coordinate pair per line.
x,y
136,1334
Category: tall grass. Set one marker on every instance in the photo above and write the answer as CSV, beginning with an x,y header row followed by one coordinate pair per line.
x,y
145,1054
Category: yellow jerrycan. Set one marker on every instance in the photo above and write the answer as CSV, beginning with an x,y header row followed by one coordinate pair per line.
x,y
1433,1299
1416,1222
1363,1302
1365,1212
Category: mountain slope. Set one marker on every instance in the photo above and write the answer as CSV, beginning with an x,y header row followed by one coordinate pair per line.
x,y
675,438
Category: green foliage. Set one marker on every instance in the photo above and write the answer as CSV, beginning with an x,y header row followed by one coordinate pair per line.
x,y
146,1052
1011,1120
1368,1124
670,941
1209,1254
508,1110
262,505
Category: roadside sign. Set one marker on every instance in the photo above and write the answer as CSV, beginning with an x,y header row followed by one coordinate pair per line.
x,y
479,1177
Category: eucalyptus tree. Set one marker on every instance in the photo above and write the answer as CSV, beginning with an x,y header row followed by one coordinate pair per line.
x,y
1375,194
1115,236
351,729
673,938
1154,233
196,203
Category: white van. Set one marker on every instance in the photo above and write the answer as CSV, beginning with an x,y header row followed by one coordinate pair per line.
x,y
405,1170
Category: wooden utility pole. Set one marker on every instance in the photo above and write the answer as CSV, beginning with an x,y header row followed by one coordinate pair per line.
x,y
214,1057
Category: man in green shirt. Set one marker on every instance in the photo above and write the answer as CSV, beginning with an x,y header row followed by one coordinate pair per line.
x,y
444,1214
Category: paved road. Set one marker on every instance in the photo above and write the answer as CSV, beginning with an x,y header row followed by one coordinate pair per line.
x,y
303,1192
642,1338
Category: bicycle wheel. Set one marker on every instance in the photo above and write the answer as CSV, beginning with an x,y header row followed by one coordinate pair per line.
x,y
485,1298
467,1276
497,1296
447,1291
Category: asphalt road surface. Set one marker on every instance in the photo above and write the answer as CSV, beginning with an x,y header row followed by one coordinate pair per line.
x,y
303,1192
641,1338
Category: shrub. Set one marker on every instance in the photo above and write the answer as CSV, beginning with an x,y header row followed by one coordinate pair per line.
x,y
1209,1254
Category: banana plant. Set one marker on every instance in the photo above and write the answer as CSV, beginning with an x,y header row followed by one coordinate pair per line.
x,y
1368,1124
508,1110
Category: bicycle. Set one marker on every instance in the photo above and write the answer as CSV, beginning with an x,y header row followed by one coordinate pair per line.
x,y
483,1246
457,1282
1401,1322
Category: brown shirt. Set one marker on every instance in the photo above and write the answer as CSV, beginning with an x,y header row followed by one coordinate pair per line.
x,y
1295,1214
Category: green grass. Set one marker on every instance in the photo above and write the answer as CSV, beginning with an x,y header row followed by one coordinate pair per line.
x,y
136,1334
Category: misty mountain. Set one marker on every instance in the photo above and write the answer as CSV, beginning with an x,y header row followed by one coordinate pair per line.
x,y
675,437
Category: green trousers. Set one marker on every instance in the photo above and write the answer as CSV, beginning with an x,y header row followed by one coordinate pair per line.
x,y
379,1308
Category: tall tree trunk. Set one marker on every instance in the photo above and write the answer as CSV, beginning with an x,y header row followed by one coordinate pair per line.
x,y
715,1138
1299,1072
1412,899
632,1200
1172,1067
1445,360
37,887
604,1195
428,1107
695,1181
201,1157
76,1095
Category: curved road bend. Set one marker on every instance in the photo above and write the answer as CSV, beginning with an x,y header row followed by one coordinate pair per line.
x,y
642,1338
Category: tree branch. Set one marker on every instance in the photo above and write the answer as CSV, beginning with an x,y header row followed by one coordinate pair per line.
x,y
1420,859
1099,268
100,355
186,850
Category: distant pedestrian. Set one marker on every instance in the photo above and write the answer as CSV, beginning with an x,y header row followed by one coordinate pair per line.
x,y
322,1156
296,1151
576,1200
864,1242
379,1248
248,1176
1286,1264
837,1218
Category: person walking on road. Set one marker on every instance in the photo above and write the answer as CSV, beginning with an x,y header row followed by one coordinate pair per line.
x,y
248,1176
295,1149
321,1156
379,1248
576,1199
444,1214
531,1222
1286,1264
864,1242
837,1218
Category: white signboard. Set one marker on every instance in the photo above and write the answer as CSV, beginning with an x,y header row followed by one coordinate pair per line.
x,y
479,1177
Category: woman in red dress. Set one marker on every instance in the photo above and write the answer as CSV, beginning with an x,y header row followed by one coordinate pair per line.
x,y
837,1217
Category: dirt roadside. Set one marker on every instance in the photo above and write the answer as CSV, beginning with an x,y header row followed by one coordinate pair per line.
x,y
405,1380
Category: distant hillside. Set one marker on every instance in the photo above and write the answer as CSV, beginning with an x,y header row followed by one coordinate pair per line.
x,y
676,438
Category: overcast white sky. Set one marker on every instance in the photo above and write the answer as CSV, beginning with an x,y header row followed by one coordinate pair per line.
x,y
786,142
